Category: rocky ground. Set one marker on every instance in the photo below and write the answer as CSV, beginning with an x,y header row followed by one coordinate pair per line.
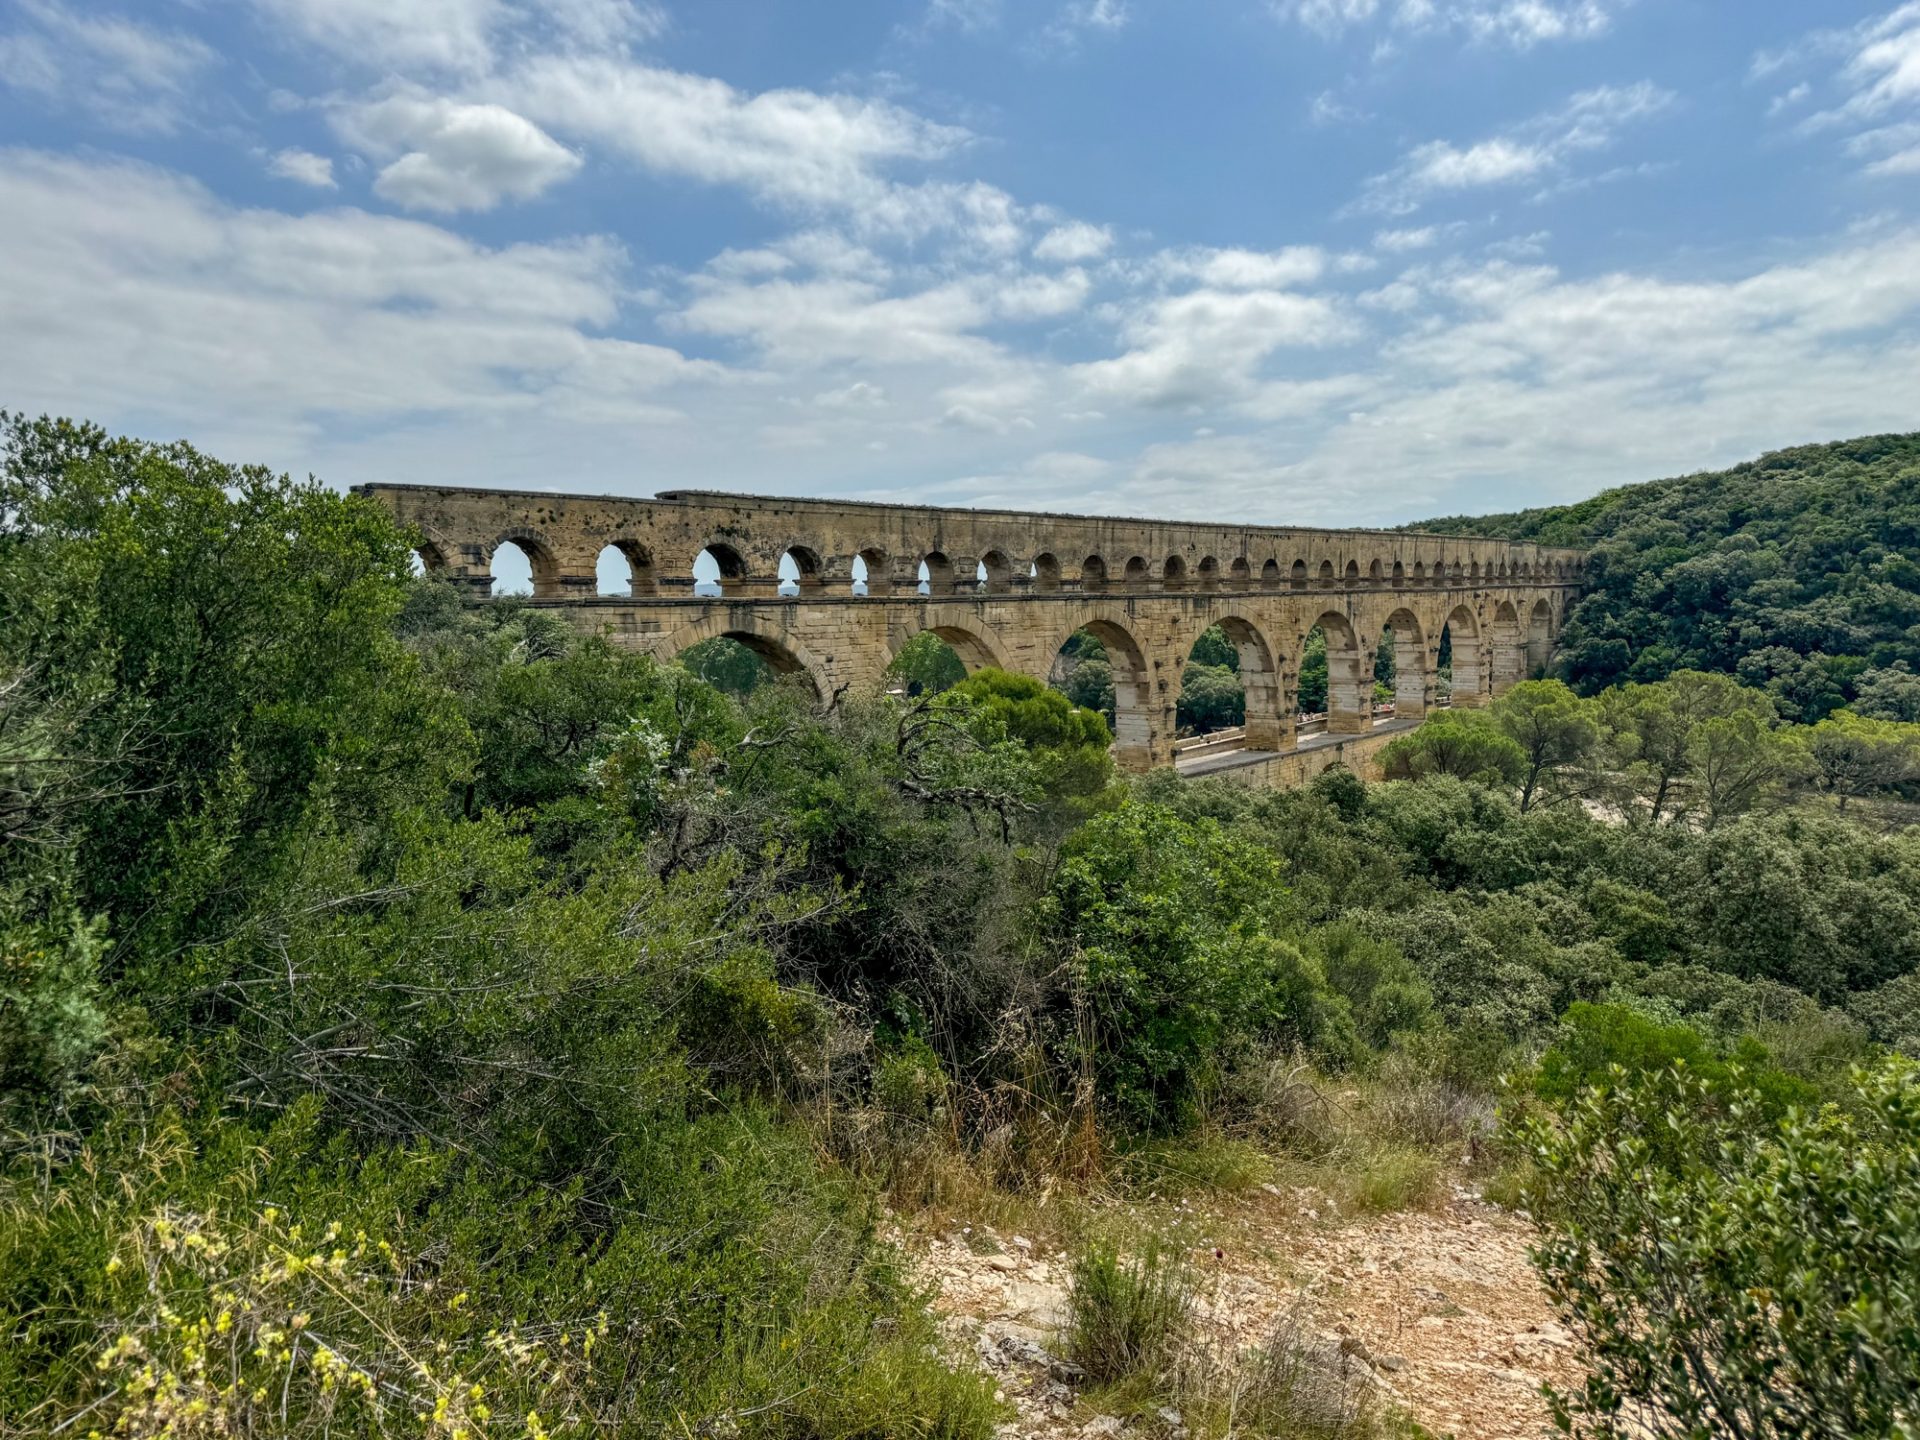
x,y
1439,1309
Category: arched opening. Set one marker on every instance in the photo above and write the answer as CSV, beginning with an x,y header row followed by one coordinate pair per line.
x,y
936,574
1374,573
1173,575
867,575
1046,573
993,575
801,572
726,664
718,570
1230,680
1240,574
1353,574
1136,575
1297,577
1209,573
1093,573
1347,697
1270,575
1539,637
1462,678
925,665
1473,572
1509,651
1326,575
624,567
1400,667
426,558
1458,572
1439,575
1419,575
512,570
1102,667
1399,575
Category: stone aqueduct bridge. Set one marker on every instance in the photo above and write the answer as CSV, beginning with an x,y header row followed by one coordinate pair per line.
x,y
1146,588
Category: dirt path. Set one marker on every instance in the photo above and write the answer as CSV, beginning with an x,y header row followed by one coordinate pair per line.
x,y
1440,1308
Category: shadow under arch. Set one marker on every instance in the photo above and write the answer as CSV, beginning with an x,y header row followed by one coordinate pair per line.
x,y
1468,658
1269,722
1539,637
1508,647
1409,664
1349,681
1136,732
785,655
975,644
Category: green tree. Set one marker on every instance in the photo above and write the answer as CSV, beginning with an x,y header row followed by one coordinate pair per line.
x,y
1854,756
1651,730
926,665
1166,923
1890,692
1312,693
235,632
1469,744
1556,731
1211,698
1728,1278
1070,741
1214,648
1740,762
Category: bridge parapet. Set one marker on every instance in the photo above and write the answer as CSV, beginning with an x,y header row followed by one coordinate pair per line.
x,y
1008,588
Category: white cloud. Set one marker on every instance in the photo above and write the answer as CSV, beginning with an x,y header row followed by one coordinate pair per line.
x,y
396,35
1540,147
129,76
1073,242
1080,18
304,168
449,155
792,146
1789,98
137,292
1237,269
1400,240
1521,24
1207,346
1329,109
1879,74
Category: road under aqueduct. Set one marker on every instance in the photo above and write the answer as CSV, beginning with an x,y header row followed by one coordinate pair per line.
x,y
1008,588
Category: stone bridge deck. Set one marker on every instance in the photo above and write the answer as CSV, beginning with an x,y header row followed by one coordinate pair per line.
x,y
1147,589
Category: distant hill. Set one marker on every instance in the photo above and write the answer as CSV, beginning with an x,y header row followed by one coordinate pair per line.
x,y
1799,572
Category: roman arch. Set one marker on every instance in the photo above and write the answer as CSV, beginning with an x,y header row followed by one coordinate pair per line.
x,y
1007,588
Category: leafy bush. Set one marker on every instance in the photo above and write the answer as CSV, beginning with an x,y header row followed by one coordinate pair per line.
x,y
1168,922
1466,743
1729,1278
1598,1042
1127,1318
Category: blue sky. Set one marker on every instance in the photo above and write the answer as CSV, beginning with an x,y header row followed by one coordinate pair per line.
x,y
1313,261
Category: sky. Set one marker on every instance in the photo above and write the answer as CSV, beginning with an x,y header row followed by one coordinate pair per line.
x,y
1321,262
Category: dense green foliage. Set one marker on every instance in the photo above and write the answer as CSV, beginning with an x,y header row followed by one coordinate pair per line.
x,y
1799,572
493,1030
1728,1277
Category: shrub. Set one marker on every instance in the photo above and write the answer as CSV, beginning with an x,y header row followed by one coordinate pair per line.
x,y
1293,1387
1169,919
1736,1278
1127,1318
1597,1043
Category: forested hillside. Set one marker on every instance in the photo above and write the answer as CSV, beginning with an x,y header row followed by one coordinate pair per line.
x,y
419,1017
1799,572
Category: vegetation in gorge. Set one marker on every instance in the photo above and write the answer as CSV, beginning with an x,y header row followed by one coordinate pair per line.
x,y
418,1017
1796,572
